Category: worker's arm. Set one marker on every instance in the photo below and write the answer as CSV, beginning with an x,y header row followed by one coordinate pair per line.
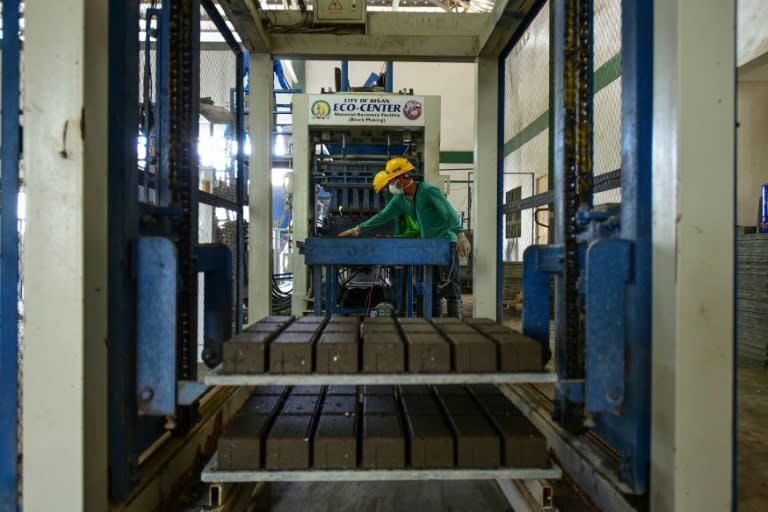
x,y
391,211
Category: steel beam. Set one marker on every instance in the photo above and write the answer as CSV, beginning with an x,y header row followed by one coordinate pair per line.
x,y
388,36
692,372
419,24
371,46
486,236
65,158
577,454
302,210
216,378
260,118
212,474
521,497
174,458
246,18
505,19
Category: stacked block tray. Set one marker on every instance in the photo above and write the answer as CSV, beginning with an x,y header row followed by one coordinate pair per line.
x,y
343,350
376,432
379,399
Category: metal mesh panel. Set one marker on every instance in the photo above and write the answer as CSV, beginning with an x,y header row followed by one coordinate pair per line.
x,y
217,143
607,100
526,136
526,91
217,151
521,167
526,122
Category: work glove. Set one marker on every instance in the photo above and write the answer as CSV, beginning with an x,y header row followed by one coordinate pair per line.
x,y
463,247
355,231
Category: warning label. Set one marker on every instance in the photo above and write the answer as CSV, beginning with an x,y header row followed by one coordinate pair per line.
x,y
335,6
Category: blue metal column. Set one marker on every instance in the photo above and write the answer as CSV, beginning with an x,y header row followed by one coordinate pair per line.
x,y
345,76
409,291
389,81
629,432
9,257
123,225
330,290
427,302
317,292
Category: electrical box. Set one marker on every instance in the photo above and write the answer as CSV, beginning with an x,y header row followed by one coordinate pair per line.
x,y
339,11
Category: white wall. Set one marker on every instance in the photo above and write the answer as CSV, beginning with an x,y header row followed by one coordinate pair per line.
x,y
752,150
458,174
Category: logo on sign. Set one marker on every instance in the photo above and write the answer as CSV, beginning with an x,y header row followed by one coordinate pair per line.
x,y
335,6
412,110
321,109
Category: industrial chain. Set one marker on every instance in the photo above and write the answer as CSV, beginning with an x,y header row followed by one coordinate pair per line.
x,y
578,166
180,161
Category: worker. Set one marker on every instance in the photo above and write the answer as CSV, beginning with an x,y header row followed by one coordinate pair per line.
x,y
437,220
405,225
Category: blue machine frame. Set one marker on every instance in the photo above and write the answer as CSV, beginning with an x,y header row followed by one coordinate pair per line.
x,y
9,258
615,266
408,252
144,379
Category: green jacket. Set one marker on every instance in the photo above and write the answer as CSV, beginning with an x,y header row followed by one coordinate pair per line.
x,y
430,208
405,225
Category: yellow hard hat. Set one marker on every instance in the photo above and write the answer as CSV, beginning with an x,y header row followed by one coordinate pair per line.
x,y
380,181
398,166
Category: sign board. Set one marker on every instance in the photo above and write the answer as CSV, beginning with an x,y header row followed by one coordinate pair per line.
x,y
361,109
339,11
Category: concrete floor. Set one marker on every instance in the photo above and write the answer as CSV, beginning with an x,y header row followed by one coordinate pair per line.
x,y
478,496
752,440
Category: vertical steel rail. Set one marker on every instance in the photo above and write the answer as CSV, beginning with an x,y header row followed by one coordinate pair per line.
x,y
123,228
9,258
344,86
184,94
147,103
572,131
240,58
630,432
162,121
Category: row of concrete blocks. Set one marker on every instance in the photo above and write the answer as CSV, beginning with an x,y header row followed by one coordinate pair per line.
x,y
380,427
344,345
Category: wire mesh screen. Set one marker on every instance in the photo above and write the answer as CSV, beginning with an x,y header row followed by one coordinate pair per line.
x,y
217,149
607,99
526,117
526,133
217,140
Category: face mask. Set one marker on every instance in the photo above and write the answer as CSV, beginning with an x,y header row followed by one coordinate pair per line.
x,y
395,190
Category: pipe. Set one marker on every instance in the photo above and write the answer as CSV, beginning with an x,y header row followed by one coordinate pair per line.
x,y
344,76
389,82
